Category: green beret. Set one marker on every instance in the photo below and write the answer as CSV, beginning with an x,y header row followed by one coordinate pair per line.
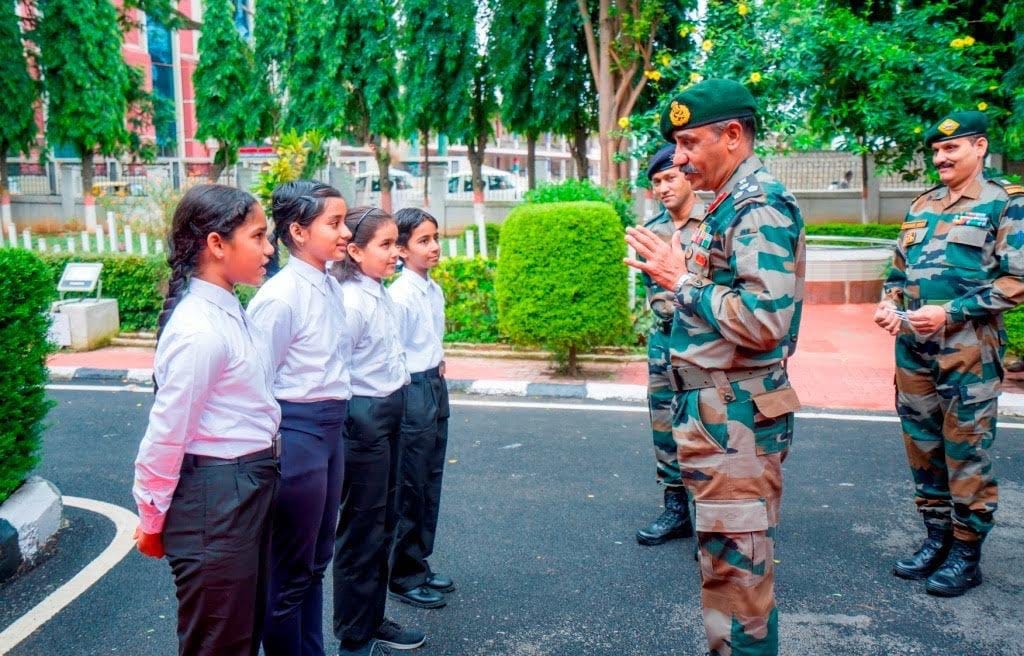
x,y
956,125
709,101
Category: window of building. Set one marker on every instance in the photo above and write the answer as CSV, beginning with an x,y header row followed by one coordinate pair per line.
x,y
161,53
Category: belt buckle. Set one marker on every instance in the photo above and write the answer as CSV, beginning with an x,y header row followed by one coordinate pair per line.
x,y
675,379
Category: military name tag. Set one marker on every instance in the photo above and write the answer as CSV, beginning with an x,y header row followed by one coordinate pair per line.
x,y
910,225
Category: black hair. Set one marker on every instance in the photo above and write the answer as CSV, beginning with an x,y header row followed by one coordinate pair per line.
x,y
408,219
363,222
203,209
299,201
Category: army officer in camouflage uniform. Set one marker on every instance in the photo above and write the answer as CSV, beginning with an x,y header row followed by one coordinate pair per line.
x,y
958,266
681,211
738,284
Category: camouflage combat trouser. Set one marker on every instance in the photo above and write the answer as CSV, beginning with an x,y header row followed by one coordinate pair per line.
x,y
730,457
659,402
947,386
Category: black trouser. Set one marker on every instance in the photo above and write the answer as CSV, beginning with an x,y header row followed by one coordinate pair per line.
x,y
366,528
217,540
305,519
423,444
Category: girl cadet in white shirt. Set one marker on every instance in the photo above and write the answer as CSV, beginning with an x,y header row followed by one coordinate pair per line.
x,y
299,309
424,439
206,470
366,528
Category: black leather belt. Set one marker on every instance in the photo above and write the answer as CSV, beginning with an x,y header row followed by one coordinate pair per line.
x,y
683,379
429,374
918,303
273,452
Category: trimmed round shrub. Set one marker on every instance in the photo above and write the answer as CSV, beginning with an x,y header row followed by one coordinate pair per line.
x,y
572,190
561,283
25,292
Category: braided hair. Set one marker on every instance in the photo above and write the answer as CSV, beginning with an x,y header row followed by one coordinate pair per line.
x,y
301,202
364,223
203,209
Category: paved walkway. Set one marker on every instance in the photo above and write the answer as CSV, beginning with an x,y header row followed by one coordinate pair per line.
x,y
843,361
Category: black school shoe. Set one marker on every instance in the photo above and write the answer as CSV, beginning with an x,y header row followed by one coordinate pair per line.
x,y
420,597
372,648
393,635
440,582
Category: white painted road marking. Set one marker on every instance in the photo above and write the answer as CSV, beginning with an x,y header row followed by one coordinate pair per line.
x,y
541,405
125,522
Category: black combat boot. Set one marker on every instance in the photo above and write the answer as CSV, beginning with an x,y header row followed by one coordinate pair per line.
x,y
960,572
671,524
928,558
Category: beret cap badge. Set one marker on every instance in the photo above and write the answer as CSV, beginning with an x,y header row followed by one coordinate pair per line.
x,y
948,127
679,114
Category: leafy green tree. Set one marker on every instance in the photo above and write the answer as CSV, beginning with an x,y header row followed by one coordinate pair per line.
x,y
370,81
18,96
90,90
274,34
439,45
620,37
569,107
518,51
233,105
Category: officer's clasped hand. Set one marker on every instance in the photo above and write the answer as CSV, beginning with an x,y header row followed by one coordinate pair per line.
x,y
149,544
663,263
927,320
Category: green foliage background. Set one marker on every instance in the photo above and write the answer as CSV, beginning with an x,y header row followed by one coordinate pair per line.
x,y
25,292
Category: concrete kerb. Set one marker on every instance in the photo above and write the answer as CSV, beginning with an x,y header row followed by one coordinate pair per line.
x,y
33,515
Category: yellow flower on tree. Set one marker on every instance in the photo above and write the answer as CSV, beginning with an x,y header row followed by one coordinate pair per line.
x,y
755,77
684,31
695,78
665,59
917,130
652,75
707,45
957,43
742,9
624,122
982,106
968,41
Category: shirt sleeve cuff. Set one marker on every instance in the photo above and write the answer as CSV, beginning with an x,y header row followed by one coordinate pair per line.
x,y
151,520
954,312
689,287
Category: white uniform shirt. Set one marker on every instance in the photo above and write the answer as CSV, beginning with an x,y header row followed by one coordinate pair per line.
x,y
420,304
371,321
214,398
300,312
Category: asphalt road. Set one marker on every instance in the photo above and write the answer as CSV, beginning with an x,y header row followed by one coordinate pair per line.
x,y
537,528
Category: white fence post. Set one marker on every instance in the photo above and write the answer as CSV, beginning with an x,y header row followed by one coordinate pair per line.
x,y
470,244
86,246
158,246
42,245
453,247
71,244
100,244
26,239
144,243
129,245
112,231
12,235
631,254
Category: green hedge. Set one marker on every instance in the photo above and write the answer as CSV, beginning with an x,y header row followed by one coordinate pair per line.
x,y
561,283
575,190
138,283
25,293
1015,331
873,230
471,309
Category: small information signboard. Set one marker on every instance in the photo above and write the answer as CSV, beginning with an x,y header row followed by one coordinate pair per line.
x,y
81,277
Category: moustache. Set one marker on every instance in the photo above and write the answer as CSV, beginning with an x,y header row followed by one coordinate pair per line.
x,y
688,168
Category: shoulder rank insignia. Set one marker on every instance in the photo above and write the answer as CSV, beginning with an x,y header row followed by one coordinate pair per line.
x,y
1014,189
746,189
909,238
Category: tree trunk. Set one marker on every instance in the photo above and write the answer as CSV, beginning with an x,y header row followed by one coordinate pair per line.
x,y
531,161
5,183
579,152
426,168
218,165
864,187
383,157
88,172
572,367
476,165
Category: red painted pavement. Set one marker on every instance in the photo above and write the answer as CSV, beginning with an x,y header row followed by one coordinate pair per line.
x,y
843,361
